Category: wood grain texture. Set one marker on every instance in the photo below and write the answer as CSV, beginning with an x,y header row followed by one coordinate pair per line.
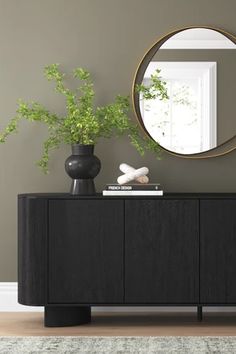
x,y
32,251
86,251
218,251
162,251
148,324
89,262
98,196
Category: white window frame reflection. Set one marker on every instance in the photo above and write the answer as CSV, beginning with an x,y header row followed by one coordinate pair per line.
x,y
205,74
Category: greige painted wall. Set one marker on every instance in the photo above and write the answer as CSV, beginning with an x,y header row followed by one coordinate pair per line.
x,y
108,37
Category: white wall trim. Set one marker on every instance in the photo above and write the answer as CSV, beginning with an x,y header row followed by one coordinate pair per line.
x,y
199,38
8,303
8,300
198,44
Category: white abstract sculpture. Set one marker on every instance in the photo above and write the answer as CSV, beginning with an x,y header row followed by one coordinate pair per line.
x,y
125,168
132,174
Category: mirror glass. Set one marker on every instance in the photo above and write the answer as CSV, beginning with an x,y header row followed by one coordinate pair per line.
x,y
187,92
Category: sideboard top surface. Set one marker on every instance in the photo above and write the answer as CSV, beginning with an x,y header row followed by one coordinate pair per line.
x,y
100,196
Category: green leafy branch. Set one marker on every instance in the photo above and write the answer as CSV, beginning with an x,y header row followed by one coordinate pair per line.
x,y
83,122
156,89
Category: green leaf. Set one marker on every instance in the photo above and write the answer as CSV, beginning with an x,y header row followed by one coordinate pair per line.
x,y
83,122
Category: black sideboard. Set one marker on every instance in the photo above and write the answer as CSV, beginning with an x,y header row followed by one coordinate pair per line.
x,y
78,252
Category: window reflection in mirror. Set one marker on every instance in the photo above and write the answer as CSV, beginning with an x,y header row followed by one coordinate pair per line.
x,y
196,67
185,122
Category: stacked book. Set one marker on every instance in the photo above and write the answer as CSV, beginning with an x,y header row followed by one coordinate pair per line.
x,y
133,189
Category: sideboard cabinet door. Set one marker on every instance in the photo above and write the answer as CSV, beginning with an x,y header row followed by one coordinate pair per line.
x,y
218,251
86,251
162,251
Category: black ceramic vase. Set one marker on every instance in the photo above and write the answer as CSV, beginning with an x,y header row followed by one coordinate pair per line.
x,y
82,166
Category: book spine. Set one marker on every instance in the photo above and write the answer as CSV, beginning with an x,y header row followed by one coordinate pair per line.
x,y
133,193
133,188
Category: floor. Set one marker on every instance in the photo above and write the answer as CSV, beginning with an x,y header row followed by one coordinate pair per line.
x,y
123,324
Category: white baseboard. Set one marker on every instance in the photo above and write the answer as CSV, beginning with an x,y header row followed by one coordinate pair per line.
x,y
8,303
8,300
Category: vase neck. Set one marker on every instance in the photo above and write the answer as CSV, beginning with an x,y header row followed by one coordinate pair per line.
x,y
80,149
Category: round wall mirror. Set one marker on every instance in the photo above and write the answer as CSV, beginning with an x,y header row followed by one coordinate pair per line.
x,y
184,91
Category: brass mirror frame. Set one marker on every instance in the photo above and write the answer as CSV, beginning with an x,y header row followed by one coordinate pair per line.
x,y
225,147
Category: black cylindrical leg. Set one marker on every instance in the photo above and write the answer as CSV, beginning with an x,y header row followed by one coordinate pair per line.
x,y
199,313
61,316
